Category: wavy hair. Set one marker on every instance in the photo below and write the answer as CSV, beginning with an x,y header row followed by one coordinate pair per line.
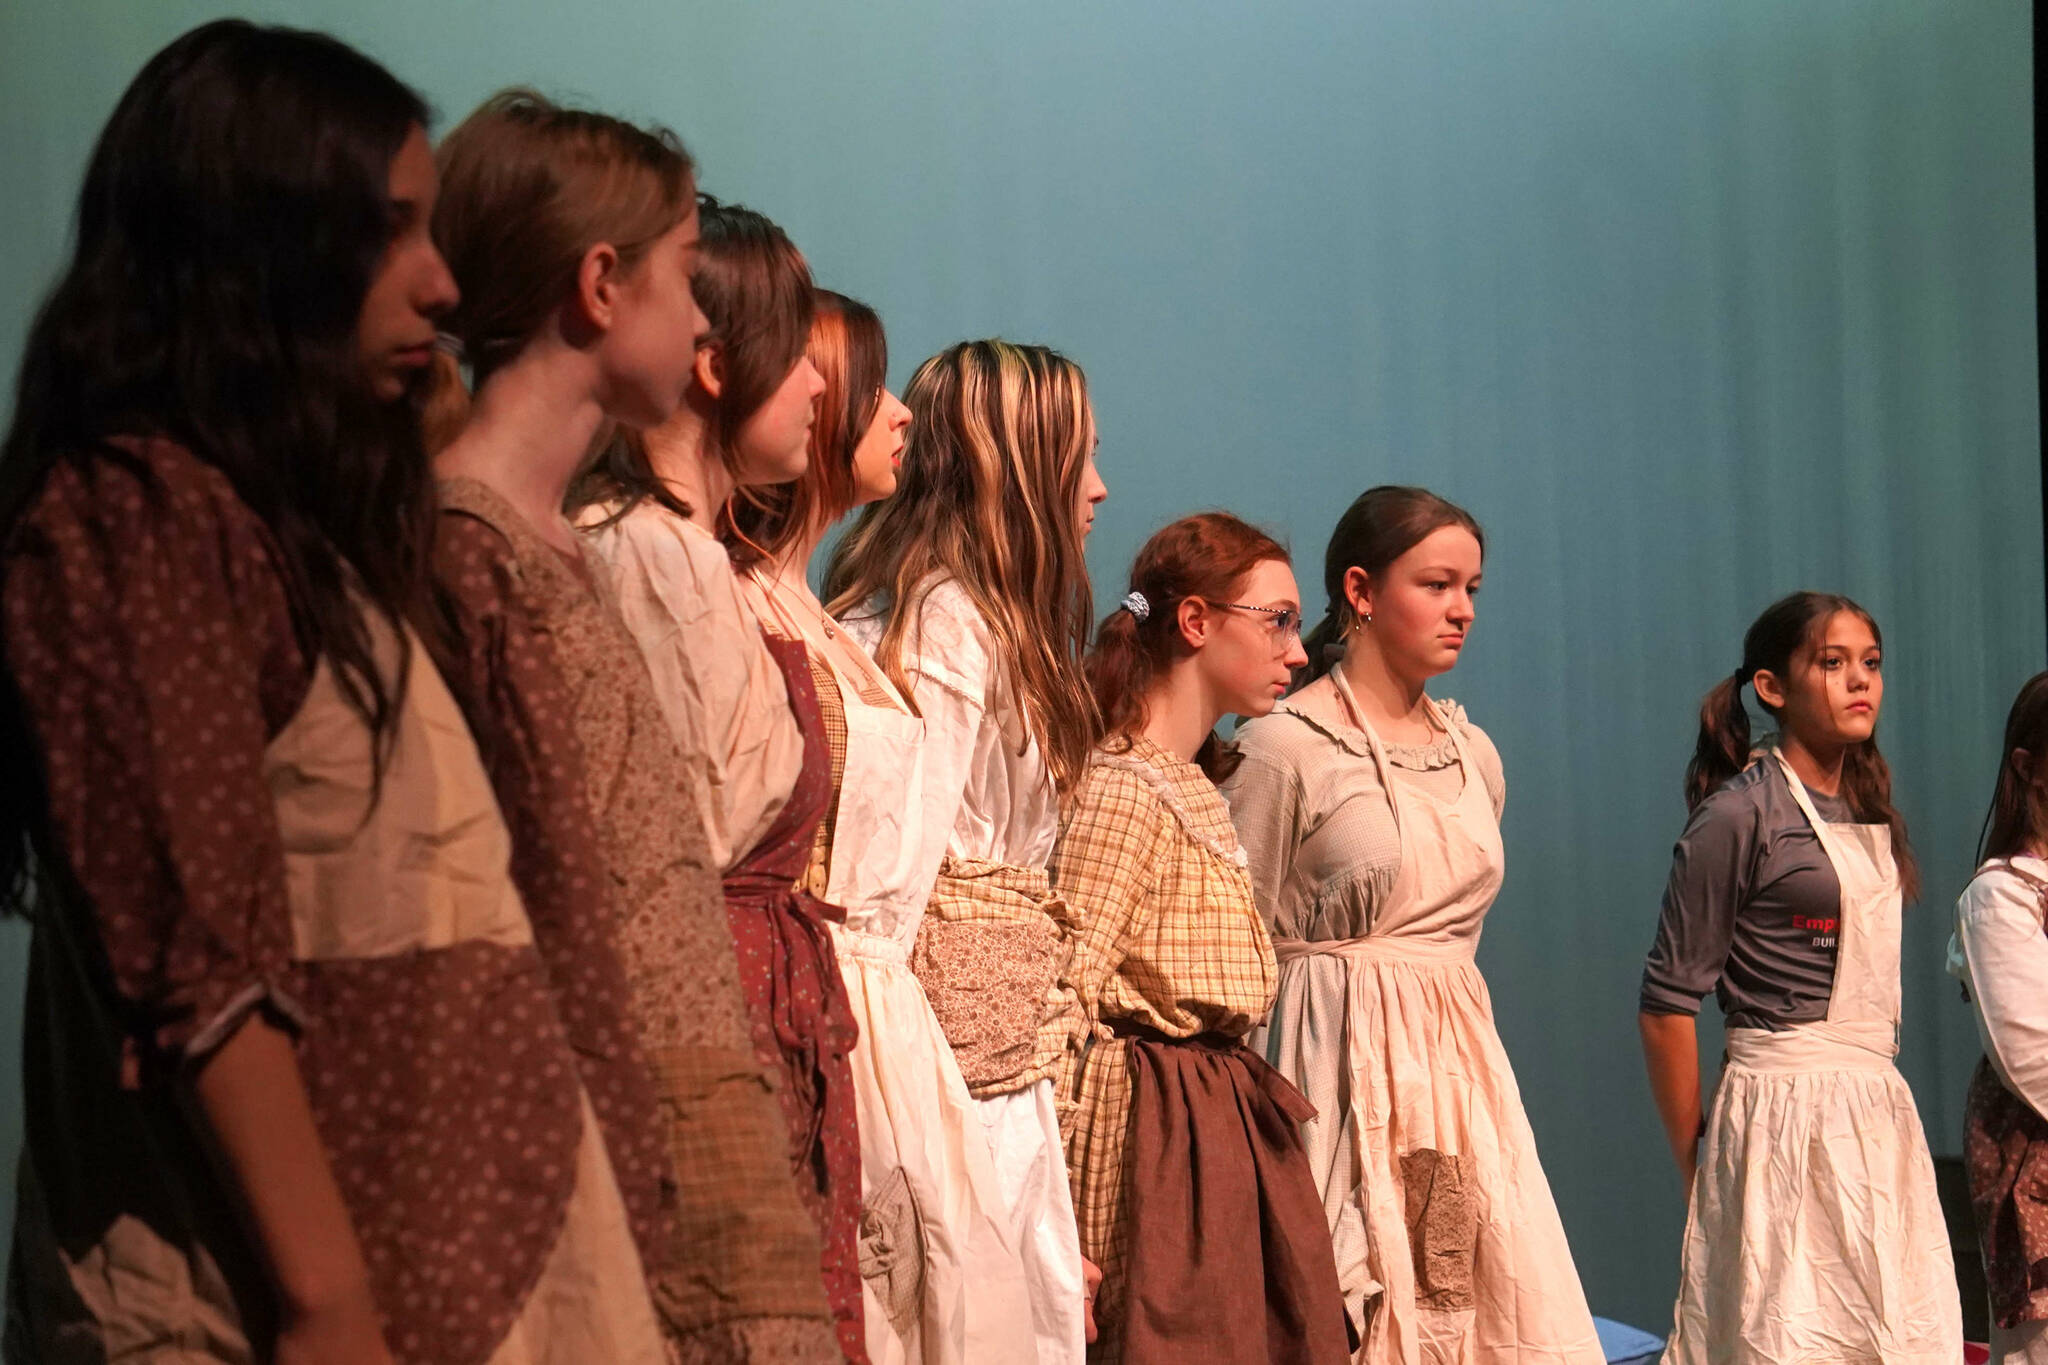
x,y
988,494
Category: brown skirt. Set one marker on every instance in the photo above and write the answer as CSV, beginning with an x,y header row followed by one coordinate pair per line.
x,y
1230,1260
2005,1149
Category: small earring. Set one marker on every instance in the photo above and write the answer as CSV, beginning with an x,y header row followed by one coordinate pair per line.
x,y
1368,618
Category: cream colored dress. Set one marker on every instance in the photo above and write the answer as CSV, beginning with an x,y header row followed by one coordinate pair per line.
x,y
720,690
1449,1246
986,782
931,1206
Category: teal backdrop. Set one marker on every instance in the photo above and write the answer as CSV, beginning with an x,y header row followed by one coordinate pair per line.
x,y
1691,303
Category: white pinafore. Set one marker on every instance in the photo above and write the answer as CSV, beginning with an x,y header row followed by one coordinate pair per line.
x,y
1449,1242
931,1238
1814,1234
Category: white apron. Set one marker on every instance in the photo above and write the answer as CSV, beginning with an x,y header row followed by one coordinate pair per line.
x,y
1814,1233
1448,1241
933,1253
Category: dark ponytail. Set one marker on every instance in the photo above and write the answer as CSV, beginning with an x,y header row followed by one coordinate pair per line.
x,y
1722,750
1383,524
1206,556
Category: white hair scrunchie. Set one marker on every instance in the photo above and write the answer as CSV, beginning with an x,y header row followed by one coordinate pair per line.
x,y
1137,606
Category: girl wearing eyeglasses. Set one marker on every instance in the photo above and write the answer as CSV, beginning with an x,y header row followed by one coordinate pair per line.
x,y
1370,814
1190,1183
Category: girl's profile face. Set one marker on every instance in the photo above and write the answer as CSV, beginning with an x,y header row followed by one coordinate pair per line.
x,y
1834,688
774,445
650,348
411,285
1254,642
880,451
1093,489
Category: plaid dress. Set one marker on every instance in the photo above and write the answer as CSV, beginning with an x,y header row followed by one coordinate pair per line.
x,y
1170,945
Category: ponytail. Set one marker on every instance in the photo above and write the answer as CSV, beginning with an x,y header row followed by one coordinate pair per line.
x,y
1325,644
1121,669
1722,749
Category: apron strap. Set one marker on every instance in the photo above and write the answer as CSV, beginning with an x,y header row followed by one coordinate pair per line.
x,y
1379,753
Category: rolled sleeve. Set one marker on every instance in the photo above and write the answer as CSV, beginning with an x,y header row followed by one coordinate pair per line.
x,y
148,636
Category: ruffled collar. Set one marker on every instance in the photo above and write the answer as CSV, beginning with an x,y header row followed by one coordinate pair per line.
x,y
1318,706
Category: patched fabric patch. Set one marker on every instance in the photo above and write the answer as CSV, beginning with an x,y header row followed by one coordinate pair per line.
x,y
1443,1228
892,1255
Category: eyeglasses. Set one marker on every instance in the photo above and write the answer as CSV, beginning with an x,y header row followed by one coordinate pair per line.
x,y
1286,620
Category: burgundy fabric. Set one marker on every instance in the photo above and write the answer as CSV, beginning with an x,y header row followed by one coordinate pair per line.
x,y
803,1021
1230,1259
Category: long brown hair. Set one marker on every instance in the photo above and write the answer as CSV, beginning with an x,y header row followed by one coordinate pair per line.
x,y
2017,817
1789,625
527,187
851,353
1379,526
756,292
1207,556
1000,438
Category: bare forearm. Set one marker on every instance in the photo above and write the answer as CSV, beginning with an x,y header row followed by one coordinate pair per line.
x,y
1672,1055
253,1100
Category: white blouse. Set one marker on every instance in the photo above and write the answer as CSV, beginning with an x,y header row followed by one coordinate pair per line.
x,y
717,683
2001,954
985,778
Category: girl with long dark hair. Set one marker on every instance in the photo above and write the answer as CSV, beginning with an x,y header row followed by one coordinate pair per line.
x,y
1192,1189
1371,814
296,1086
2001,954
1813,1229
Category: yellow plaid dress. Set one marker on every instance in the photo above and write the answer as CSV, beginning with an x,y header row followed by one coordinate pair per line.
x,y
1169,939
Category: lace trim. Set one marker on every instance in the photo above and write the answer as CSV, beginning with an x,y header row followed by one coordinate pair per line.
x,y
1441,752
1162,787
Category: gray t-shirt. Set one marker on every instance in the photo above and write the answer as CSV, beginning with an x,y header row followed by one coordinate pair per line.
x,y
1753,908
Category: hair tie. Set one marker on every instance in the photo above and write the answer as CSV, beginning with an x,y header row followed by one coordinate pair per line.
x,y
1137,606
1741,675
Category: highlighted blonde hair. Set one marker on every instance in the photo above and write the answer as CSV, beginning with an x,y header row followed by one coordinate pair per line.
x,y
989,496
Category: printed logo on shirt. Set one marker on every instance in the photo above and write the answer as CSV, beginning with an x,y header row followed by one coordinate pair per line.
x,y
1821,927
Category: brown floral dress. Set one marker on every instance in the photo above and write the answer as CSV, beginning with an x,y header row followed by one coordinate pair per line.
x,y
588,774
